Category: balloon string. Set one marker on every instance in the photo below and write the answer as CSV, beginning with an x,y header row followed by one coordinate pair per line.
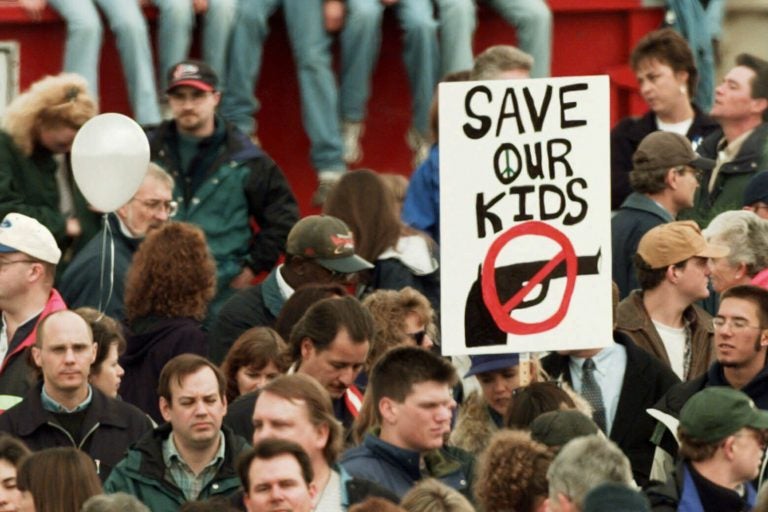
x,y
107,235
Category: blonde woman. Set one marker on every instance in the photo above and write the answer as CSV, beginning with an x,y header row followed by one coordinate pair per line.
x,y
38,125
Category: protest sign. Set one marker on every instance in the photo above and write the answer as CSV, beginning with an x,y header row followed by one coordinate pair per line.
x,y
525,215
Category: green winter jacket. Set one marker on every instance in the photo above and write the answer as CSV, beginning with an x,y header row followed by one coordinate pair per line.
x,y
28,185
141,472
229,183
732,179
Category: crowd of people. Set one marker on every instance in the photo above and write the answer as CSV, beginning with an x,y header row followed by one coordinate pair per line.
x,y
146,367
437,40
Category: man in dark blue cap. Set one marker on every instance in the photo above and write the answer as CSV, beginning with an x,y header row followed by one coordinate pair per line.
x,y
756,195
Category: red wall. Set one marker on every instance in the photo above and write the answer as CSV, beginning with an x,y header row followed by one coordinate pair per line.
x,y
590,37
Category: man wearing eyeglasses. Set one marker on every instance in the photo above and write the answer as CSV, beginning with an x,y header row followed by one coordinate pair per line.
x,y
741,345
28,259
96,276
664,178
223,181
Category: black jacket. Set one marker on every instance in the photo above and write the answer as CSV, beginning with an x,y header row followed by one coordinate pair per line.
x,y
151,344
81,282
646,380
732,179
109,428
626,136
255,306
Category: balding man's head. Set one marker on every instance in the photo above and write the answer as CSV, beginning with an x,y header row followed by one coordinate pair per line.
x,y
64,351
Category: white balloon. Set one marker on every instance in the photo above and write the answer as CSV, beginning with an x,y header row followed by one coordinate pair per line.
x,y
110,156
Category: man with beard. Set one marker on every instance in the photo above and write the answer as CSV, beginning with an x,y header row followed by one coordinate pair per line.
x,y
741,338
223,181
89,277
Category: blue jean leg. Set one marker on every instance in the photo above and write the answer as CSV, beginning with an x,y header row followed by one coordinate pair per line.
x,y
360,43
421,56
458,19
174,35
533,21
130,28
251,28
217,32
319,95
84,36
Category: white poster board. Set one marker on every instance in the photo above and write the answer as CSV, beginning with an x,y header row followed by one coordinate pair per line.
x,y
525,215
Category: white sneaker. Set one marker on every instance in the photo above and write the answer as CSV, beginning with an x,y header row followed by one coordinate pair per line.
x,y
350,134
325,183
419,145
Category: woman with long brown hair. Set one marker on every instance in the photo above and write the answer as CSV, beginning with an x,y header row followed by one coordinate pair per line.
x,y
401,255
57,480
168,288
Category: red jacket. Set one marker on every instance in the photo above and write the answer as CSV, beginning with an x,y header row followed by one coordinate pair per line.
x,y
16,377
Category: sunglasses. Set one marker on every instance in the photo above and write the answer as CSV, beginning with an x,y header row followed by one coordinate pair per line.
x,y
417,337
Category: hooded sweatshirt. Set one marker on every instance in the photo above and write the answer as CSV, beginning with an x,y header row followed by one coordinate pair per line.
x,y
152,342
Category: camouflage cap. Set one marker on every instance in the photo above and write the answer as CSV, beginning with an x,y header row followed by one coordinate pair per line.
x,y
328,241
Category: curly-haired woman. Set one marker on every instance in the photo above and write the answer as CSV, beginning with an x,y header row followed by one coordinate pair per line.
x,y
168,288
512,473
36,126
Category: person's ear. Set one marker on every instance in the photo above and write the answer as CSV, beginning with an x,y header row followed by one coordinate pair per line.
x,y
759,105
37,356
307,348
388,410
671,178
165,409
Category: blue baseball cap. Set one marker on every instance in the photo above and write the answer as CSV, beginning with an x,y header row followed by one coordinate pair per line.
x,y
492,362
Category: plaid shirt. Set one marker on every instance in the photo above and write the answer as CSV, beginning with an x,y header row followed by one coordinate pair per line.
x,y
178,472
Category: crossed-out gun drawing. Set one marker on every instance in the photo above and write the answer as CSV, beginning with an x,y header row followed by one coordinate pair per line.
x,y
480,329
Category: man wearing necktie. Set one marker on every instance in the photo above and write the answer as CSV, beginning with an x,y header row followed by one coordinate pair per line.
x,y
619,381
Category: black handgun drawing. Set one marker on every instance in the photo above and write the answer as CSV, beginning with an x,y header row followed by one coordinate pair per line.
x,y
480,329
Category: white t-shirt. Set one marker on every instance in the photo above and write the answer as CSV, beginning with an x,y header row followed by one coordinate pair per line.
x,y
330,497
680,128
674,342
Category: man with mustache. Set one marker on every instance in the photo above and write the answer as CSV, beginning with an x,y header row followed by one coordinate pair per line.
x,y
85,283
223,181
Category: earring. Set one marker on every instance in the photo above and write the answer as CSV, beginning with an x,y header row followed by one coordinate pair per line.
x,y
683,90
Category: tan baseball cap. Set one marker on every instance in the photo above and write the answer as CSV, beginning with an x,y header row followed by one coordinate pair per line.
x,y
662,150
328,241
19,233
674,242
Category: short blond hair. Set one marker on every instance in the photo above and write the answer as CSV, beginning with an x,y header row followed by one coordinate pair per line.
x,y
498,59
430,495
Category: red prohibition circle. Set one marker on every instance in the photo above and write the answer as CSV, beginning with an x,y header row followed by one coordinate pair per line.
x,y
501,312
